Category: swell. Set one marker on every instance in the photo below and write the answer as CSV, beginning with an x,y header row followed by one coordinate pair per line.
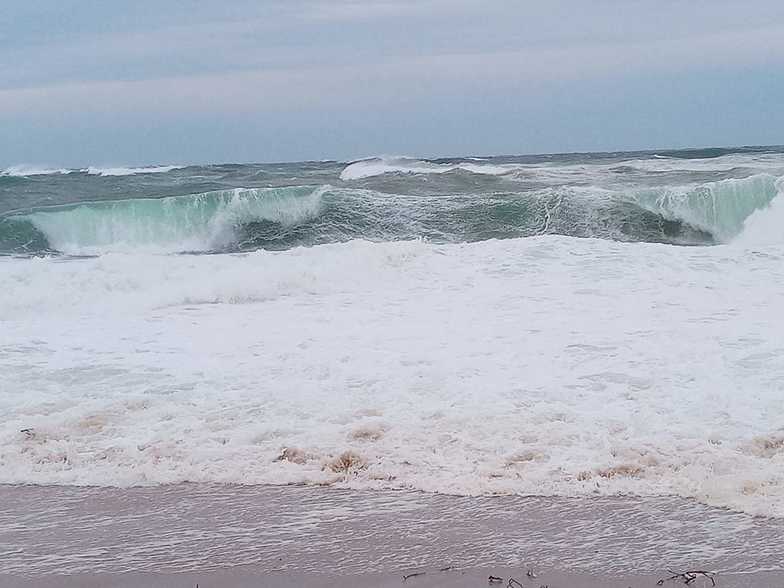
x,y
281,218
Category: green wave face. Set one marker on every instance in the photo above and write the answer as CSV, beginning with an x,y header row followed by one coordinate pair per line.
x,y
195,222
720,208
280,218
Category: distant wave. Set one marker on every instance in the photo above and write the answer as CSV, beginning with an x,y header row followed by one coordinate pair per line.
x,y
129,171
23,171
559,172
377,166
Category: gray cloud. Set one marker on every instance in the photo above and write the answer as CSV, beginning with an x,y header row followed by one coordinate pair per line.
x,y
199,38
291,79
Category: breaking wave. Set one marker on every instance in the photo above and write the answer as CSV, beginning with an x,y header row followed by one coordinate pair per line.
x,y
720,208
281,218
195,222
765,226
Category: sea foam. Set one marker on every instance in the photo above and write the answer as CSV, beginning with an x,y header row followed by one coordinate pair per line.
x,y
550,365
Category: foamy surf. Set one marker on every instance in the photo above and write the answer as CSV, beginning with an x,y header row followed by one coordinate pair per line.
x,y
504,399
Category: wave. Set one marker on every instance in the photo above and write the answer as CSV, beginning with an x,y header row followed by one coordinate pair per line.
x,y
720,208
24,171
196,222
765,226
281,218
559,173
725,163
129,171
377,166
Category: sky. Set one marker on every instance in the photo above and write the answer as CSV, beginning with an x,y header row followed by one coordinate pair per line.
x,y
196,81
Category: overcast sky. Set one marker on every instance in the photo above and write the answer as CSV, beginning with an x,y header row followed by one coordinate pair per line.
x,y
186,81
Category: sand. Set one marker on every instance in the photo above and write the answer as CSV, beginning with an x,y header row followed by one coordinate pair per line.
x,y
215,535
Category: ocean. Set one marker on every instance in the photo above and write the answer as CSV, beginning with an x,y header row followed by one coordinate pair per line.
x,y
580,325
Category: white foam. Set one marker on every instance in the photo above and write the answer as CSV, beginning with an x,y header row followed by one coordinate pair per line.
x,y
765,226
549,365
130,171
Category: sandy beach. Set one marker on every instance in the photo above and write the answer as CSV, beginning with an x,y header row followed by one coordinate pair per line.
x,y
214,535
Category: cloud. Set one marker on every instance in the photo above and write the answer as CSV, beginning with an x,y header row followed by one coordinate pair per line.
x,y
368,10
272,86
114,41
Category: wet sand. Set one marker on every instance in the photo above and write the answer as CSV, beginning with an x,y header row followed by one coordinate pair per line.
x,y
229,536
474,578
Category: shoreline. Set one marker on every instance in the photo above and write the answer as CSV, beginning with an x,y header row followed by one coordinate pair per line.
x,y
283,536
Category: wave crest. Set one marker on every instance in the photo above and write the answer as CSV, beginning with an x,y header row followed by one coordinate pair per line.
x,y
720,208
195,222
